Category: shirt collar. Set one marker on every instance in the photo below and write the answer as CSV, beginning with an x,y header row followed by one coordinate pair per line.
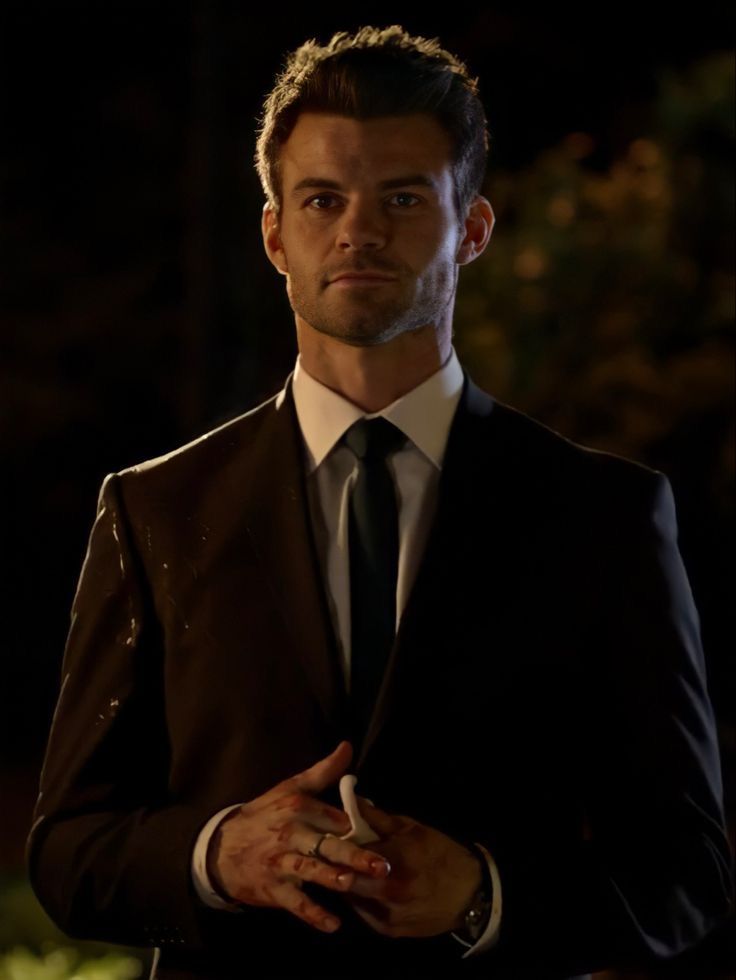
x,y
423,414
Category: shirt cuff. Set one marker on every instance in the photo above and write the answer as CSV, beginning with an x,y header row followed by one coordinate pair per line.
x,y
200,878
492,930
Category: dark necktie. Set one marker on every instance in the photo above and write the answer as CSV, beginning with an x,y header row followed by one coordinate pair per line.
x,y
373,536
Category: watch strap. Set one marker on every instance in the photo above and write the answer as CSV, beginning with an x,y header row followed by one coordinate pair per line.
x,y
478,913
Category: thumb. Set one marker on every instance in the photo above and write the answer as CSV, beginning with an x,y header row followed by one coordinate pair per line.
x,y
377,819
325,772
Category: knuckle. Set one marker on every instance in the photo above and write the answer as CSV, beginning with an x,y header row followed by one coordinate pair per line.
x,y
301,912
326,873
308,912
356,857
302,907
291,801
332,849
285,831
316,871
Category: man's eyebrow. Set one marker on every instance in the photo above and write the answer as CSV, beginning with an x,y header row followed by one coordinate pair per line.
x,y
412,180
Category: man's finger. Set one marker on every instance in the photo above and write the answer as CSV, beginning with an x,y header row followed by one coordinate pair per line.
x,y
364,887
374,912
297,902
324,773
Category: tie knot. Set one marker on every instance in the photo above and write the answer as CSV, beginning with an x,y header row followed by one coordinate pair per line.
x,y
374,438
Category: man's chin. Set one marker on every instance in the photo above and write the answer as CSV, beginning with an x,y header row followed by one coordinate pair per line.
x,y
362,336
366,341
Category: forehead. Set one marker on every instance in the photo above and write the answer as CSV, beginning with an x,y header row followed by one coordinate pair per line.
x,y
326,144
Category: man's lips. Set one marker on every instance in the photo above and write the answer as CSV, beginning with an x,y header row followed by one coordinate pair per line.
x,y
356,278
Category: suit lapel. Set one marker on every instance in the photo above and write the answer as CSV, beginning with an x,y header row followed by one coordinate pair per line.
x,y
279,526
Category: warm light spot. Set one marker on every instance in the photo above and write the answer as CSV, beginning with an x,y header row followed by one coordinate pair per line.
x,y
561,211
652,187
579,145
645,153
530,263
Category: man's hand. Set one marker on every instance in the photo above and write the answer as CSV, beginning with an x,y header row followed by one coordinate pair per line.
x,y
257,854
432,881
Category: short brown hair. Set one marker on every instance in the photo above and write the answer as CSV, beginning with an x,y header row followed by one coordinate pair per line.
x,y
377,72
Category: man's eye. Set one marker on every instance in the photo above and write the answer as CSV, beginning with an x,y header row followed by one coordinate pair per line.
x,y
319,197
404,197
406,194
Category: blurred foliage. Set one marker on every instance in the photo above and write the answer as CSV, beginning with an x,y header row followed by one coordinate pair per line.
x,y
66,964
32,948
604,303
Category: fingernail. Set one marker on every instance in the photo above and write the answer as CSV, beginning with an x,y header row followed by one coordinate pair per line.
x,y
344,879
381,868
330,924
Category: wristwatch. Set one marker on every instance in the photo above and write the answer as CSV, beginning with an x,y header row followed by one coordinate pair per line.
x,y
478,913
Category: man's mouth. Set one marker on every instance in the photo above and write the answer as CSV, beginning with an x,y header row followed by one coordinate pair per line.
x,y
361,279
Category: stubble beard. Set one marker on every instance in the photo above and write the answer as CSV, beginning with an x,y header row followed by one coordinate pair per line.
x,y
365,319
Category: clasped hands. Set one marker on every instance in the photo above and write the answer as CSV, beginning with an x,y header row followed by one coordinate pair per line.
x,y
259,856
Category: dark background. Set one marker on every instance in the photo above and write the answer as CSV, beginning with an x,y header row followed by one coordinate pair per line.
x,y
140,309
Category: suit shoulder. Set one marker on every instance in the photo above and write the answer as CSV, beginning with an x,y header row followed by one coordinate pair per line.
x,y
205,454
572,484
561,461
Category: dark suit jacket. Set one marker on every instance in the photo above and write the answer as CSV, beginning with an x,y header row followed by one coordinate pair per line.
x,y
545,696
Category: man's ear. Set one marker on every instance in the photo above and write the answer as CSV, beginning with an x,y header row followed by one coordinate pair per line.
x,y
272,239
478,226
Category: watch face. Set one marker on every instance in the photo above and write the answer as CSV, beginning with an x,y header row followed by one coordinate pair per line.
x,y
477,916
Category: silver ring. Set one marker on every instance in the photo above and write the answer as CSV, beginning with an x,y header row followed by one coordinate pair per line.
x,y
314,849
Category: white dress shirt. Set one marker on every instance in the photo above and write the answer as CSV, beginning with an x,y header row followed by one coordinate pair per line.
x,y
424,415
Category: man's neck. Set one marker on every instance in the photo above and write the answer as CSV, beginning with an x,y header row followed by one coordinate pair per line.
x,y
373,377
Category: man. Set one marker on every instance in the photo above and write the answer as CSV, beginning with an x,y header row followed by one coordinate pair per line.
x,y
383,572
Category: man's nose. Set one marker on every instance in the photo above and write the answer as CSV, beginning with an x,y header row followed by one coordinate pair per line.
x,y
361,226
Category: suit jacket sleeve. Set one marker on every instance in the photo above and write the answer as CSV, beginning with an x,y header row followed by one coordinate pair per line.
x,y
108,852
653,876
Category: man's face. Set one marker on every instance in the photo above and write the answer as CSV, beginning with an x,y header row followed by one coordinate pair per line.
x,y
367,196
